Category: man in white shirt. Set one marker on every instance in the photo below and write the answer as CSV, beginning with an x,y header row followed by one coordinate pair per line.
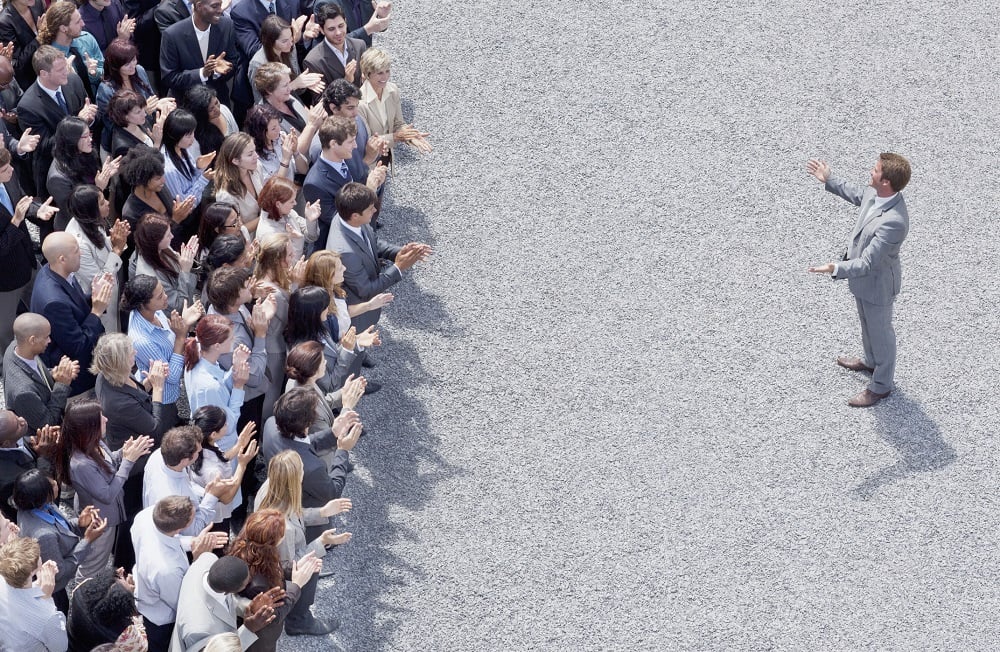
x,y
29,620
161,563
166,475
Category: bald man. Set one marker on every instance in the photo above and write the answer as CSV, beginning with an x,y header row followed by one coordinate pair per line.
x,y
30,388
19,453
75,318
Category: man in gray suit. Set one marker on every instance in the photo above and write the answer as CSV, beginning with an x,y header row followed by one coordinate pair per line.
x,y
871,265
208,604
31,389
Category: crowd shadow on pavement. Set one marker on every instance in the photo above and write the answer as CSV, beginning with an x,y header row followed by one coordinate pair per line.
x,y
399,456
917,439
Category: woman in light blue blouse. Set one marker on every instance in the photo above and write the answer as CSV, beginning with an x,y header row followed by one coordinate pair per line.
x,y
185,176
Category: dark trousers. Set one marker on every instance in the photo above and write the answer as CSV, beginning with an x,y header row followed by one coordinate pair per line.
x,y
158,636
301,615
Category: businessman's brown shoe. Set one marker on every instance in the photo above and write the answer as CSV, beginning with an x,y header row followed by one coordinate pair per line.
x,y
852,363
866,398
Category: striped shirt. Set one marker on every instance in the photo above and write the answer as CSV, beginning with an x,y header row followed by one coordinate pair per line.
x,y
154,342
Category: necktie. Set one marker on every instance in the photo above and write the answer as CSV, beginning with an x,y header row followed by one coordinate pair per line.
x,y
61,101
344,172
270,8
5,200
364,234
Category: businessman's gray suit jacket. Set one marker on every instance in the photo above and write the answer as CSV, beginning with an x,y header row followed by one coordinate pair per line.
x,y
364,277
28,396
872,263
199,615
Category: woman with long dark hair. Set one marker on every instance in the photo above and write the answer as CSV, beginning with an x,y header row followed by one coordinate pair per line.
x,y
278,44
123,72
100,252
185,176
74,163
215,120
127,110
257,545
213,462
154,257
99,477
308,309
275,148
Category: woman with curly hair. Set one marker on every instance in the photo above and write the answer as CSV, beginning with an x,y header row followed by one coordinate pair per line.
x,y
144,171
283,493
257,545
264,125
154,257
103,611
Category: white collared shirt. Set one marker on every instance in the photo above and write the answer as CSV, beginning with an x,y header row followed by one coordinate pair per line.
x,y
340,55
161,481
202,37
160,564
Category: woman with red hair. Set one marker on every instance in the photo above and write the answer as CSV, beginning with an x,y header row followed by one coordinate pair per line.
x,y
257,545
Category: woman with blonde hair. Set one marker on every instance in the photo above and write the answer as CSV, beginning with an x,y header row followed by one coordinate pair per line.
x,y
277,267
277,201
325,269
238,177
283,492
380,105
257,545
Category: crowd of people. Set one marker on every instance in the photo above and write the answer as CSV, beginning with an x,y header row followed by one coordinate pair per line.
x,y
186,326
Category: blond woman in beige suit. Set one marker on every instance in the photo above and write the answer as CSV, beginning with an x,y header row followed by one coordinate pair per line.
x,y
380,105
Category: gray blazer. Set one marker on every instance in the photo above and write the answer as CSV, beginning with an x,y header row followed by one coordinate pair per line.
x,y
364,276
871,264
95,486
29,396
200,616
67,549
319,486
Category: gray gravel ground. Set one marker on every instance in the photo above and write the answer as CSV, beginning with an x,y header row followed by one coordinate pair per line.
x,y
611,418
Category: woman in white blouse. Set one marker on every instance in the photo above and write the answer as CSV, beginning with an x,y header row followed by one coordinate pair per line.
x,y
239,178
100,251
277,215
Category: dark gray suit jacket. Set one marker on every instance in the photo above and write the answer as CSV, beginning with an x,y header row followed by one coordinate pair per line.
x,y
364,276
318,486
40,402
322,60
67,549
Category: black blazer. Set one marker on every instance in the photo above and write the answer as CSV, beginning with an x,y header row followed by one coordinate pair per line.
x,y
75,329
322,60
14,30
248,15
169,12
122,141
16,250
356,24
146,33
181,61
40,112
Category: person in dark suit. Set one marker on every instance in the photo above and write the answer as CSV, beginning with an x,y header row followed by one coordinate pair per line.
x,y
200,51
871,265
19,143
364,17
19,25
170,12
30,388
362,253
55,95
75,319
336,55
16,248
147,33
16,457
248,15
331,172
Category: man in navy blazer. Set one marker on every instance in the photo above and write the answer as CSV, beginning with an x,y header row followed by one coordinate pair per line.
x,y
185,62
362,254
248,15
871,265
75,319
331,172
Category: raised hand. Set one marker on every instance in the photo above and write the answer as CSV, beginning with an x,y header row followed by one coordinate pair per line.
x,y
305,568
376,176
91,64
317,114
262,314
96,528
248,453
336,506
119,236
66,371
108,170
28,142
289,145
46,577
189,250
46,441
347,442
46,211
181,209
89,111
207,540
221,65
353,390
7,50
241,354
260,611
296,25
23,204
298,271
157,375
241,374
204,161
8,530
87,515
350,69
192,313
382,9
313,211
350,339
344,422
369,337
100,293
136,447
819,169
209,68
219,487
331,538
157,132
125,28
380,300
311,80
311,30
